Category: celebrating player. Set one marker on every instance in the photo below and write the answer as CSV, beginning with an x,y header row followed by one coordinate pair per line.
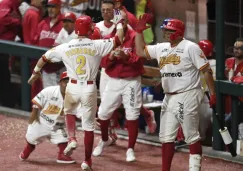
x,y
124,87
82,58
180,62
47,121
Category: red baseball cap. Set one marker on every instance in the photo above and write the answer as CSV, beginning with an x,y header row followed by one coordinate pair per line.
x,y
69,16
63,75
54,2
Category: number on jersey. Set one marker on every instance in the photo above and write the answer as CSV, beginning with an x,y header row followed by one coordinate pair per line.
x,y
81,61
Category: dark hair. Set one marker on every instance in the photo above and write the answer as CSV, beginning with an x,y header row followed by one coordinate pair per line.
x,y
239,39
108,2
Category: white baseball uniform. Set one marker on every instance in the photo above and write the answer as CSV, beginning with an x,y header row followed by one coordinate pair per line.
x,y
76,9
51,79
82,59
51,125
180,70
104,78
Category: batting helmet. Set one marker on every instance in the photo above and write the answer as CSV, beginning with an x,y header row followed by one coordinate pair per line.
x,y
174,24
83,25
207,47
63,75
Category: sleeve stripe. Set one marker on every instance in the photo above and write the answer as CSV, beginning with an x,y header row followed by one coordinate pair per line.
x,y
204,66
37,104
146,52
45,59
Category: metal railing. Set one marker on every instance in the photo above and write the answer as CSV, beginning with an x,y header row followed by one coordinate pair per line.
x,y
26,52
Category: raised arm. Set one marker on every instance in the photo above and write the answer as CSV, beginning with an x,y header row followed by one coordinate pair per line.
x,y
139,40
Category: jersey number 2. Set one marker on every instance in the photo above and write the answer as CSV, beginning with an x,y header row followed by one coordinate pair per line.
x,y
81,61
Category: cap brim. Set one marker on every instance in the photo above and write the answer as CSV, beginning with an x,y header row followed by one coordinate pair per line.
x,y
51,5
68,19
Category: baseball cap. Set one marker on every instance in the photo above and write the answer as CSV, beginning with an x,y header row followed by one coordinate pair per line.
x,y
63,75
53,3
69,16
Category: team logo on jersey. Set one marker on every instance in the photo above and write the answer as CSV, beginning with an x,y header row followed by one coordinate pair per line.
x,y
49,120
171,74
52,109
170,59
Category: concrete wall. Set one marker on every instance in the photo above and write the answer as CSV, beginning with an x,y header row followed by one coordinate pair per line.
x,y
193,14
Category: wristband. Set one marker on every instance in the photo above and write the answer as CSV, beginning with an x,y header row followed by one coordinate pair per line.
x,y
37,69
119,26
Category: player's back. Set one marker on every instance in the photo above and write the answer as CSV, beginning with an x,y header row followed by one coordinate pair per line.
x,y
82,57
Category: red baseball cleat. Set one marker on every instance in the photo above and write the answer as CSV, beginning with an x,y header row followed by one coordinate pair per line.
x,y
64,159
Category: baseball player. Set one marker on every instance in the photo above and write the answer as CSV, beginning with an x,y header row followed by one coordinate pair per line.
x,y
123,87
106,28
180,62
82,58
67,33
234,73
205,112
47,121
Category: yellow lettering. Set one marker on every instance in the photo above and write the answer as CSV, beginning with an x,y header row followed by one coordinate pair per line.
x,y
171,59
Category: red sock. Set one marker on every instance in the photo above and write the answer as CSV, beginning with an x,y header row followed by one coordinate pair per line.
x,y
167,155
71,125
104,124
132,127
196,148
180,135
28,149
62,147
145,112
88,143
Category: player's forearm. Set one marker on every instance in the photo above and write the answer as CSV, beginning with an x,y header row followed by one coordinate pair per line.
x,y
34,115
140,45
210,82
120,32
40,64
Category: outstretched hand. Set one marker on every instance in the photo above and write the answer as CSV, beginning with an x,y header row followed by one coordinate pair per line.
x,y
142,21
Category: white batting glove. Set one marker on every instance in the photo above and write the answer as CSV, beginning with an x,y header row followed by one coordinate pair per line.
x,y
117,16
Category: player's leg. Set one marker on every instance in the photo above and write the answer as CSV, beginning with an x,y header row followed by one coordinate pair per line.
x,y
132,101
149,118
71,104
59,137
111,100
36,132
104,78
89,103
205,114
190,124
169,126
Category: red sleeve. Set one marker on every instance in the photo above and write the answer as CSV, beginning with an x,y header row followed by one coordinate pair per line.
x,y
132,19
33,20
106,62
37,35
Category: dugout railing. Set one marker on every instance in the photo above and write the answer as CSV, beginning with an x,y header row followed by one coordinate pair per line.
x,y
223,87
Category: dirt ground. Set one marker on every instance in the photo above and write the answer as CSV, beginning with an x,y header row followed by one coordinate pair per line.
x,y
12,141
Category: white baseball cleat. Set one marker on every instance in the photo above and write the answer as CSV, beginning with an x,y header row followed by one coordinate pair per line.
x,y
72,145
130,155
101,145
85,166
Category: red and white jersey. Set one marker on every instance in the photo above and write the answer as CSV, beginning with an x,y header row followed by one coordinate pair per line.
x,y
50,102
80,56
179,66
64,37
105,30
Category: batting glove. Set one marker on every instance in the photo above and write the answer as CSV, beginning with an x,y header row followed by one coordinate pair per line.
x,y
117,17
143,20
212,101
